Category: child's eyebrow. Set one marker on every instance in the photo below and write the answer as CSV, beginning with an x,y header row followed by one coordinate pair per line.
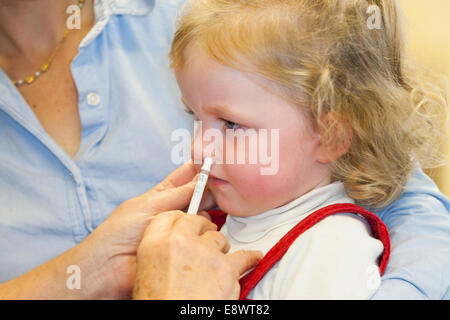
x,y
224,112
221,110
216,110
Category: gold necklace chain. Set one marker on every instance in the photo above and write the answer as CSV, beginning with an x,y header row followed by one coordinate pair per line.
x,y
30,79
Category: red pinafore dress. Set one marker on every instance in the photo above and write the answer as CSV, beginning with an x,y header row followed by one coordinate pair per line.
x,y
250,280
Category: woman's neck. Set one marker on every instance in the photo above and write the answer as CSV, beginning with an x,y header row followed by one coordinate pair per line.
x,y
30,28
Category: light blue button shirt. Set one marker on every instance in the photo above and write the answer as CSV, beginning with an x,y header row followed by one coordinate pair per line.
x,y
129,105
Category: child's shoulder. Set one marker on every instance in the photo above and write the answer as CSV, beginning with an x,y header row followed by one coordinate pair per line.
x,y
339,223
341,232
334,255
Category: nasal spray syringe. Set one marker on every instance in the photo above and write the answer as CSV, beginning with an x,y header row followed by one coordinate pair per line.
x,y
200,186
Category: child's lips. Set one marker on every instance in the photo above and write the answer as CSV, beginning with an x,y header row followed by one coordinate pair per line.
x,y
214,181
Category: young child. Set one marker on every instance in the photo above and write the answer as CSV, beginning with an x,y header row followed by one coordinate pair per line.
x,y
352,125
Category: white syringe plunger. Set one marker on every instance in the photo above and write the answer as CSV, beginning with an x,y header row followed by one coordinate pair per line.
x,y
200,186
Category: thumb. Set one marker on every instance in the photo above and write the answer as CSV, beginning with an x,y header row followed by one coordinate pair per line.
x,y
243,260
208,201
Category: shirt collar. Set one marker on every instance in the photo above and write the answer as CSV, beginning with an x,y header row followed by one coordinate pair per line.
x,y
104,9
250,229
113,7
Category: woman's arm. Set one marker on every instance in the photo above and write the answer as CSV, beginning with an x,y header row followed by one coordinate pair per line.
x,y
107,257
50,280
419,228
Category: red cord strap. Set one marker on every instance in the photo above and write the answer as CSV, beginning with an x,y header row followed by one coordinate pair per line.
x,y
249,281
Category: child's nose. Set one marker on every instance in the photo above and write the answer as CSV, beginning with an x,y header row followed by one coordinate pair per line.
x,y
197,151
202,147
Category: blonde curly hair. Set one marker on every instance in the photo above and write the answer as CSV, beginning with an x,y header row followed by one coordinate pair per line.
x,y
322,55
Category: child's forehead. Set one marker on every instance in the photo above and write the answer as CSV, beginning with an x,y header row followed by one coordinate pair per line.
x,y
195,54
223,85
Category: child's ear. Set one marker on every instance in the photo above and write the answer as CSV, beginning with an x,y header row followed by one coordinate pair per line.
x,y
337,141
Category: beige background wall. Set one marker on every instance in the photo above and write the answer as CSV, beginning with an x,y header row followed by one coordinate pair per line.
x,y
428,30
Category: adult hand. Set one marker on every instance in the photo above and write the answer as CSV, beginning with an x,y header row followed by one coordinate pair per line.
x,y
121,233
183,257
107,257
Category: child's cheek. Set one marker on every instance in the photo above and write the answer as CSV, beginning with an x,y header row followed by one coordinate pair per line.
x,y
264,163
260,192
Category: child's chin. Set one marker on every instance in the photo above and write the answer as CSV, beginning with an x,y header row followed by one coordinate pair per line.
x,y
229,208
232,204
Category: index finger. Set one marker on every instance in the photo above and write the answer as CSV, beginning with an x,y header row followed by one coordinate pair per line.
x,y
193,224
182,175
163,222
244,260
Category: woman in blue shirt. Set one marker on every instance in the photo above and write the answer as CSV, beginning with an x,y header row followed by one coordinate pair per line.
x,y
92,130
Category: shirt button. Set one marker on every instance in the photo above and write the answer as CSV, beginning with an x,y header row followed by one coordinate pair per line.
x,y
93,99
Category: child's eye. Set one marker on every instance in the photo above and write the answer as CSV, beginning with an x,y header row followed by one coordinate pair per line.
x,y
191,113
231,125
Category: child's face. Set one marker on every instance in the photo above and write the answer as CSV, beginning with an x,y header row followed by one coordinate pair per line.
x,y
223,98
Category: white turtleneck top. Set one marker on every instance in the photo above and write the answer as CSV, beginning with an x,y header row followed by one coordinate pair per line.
x,y
334,259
